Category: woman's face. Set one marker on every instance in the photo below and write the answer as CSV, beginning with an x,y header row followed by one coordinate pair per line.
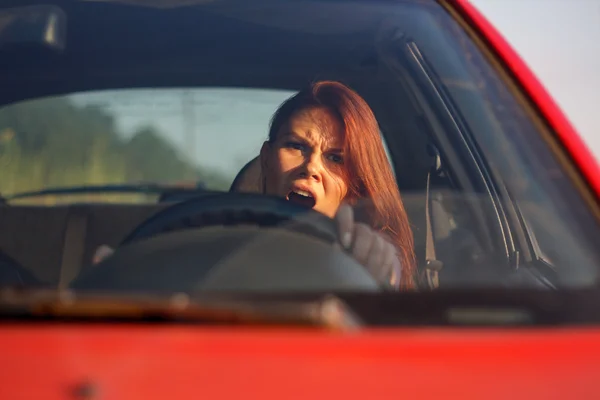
x,y
305,163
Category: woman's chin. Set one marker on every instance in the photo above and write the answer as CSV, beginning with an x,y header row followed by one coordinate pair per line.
x,y
329,213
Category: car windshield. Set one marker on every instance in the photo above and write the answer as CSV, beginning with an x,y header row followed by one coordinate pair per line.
x,y
174,162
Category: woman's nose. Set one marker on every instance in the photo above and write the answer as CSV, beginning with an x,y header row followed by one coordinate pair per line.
x,y
312,167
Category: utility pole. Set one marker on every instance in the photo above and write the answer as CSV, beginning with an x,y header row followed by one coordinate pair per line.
x,y
189,123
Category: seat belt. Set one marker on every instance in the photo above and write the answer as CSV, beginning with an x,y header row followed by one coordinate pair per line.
x,y
433,266
73,246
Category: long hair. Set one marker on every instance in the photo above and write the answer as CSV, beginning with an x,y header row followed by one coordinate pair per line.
x,y
368,174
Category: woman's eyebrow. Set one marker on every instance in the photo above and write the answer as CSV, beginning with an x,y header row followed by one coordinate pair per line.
x,y
294,136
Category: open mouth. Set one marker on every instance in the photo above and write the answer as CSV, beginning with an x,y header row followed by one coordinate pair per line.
x,y
302,197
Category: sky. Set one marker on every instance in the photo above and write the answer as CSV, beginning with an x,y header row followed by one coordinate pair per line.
x,y
560,42
558,39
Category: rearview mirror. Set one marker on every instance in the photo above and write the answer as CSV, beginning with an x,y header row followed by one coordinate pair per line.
x,y
33,26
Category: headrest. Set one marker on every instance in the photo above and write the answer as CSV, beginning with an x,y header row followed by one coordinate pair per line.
x,y
248,180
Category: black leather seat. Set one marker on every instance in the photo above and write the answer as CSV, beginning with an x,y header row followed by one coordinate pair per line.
x,y
249,178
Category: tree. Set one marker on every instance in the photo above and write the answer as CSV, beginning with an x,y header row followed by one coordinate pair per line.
x,y
53,142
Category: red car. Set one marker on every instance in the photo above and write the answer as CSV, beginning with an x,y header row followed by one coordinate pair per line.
x,y
106,105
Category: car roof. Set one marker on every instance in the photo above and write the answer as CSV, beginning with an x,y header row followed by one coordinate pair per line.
x,y
206,45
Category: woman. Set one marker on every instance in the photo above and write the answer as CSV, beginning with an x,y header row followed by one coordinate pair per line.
x,y
324,151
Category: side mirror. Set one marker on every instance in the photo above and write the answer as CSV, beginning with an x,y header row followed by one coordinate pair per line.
x,y
41,26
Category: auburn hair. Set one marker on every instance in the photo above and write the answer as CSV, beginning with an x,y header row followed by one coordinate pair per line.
x,y
372,188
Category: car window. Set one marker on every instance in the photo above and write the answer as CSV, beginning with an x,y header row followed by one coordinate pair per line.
x,y
168,136
133,136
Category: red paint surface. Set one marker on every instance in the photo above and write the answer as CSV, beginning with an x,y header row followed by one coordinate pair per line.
x,y
570,139
137,362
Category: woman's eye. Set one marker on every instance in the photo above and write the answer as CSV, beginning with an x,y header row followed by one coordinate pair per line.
x,y
295,146
336,158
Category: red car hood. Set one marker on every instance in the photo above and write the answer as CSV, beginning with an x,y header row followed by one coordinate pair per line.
x,y
137,362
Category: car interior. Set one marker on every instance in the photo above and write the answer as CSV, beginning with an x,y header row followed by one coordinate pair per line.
x,y
447,125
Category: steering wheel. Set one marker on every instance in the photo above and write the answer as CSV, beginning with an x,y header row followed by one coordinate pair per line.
x,y
230,209
230,242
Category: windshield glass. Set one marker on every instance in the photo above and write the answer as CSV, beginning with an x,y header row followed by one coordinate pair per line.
x,y
320,146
